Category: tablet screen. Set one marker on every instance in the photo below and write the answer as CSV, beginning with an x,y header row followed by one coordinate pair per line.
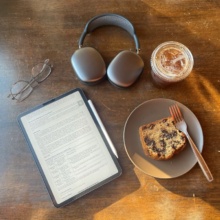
x,y
68,146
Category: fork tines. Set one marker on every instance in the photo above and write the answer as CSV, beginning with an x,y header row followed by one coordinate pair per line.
x,y
176,113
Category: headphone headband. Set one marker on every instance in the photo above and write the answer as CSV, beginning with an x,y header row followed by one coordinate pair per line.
x,y
106,20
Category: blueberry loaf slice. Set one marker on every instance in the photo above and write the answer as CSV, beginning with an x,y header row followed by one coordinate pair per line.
x,y
161,140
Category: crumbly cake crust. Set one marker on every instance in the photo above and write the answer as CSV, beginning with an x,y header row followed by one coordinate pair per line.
x,y
161,140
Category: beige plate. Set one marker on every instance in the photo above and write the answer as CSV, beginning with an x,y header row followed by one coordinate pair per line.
x,y
150,111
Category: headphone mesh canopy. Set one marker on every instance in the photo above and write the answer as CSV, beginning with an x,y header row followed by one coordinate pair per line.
x,y
109,20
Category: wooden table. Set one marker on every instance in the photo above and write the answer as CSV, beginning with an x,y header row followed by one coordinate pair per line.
x,y
32,31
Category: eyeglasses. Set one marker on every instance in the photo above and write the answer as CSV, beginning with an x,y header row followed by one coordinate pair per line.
x,y
22,89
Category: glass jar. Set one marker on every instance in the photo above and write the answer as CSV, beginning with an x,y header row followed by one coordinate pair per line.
x,y
171,62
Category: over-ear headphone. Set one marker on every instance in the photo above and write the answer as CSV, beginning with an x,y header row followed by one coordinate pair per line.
x,y
89,65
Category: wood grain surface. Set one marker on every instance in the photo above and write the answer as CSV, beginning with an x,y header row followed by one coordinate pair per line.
x,y
32,31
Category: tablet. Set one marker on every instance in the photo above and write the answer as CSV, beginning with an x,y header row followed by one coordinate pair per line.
x,y
69,147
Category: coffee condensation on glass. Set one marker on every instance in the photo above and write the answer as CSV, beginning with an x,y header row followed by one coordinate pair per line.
x,y
171,62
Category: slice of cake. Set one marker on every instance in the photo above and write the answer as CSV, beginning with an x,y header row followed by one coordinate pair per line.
x,y
161,140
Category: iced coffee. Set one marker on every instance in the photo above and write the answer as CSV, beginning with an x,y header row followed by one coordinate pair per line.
x,y
171,62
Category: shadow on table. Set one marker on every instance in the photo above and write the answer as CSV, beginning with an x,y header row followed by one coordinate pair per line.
x,y
194,184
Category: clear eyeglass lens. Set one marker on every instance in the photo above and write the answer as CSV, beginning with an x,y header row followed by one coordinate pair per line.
x,y
41,71
21,90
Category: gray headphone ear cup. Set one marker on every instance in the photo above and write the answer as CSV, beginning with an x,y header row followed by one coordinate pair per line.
x,y
88,65
125,69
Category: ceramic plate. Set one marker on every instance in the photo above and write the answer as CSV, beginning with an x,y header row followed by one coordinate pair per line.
x,y
150,111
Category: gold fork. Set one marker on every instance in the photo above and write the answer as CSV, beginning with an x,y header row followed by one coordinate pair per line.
x,y
181,125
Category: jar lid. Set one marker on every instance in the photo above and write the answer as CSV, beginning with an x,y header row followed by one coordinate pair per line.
x,y
172,61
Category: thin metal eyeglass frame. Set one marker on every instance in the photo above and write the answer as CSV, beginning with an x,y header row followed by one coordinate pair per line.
x,y
30,83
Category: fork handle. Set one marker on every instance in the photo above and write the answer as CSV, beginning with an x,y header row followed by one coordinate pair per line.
x,y
200,159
